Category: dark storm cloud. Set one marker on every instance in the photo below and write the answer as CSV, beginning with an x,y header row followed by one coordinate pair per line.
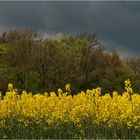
x,y
117,24
21,15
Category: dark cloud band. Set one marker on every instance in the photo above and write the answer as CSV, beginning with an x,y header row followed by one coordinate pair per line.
x,y
116,23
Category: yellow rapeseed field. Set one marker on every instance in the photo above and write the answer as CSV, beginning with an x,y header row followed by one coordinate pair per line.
x,y
113,111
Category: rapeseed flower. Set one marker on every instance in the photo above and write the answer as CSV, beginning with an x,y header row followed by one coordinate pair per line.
x,y
111,110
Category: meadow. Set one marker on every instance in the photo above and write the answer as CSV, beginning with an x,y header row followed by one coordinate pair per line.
x,y
87,114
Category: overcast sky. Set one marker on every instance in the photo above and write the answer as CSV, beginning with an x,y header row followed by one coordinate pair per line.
x,y
116,24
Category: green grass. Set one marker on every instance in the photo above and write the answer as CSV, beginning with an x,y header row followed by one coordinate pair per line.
x,y
65,130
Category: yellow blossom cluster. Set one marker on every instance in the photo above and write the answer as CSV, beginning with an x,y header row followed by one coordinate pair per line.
x,y
116,109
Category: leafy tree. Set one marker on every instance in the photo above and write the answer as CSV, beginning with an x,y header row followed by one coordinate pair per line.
x,y
37,63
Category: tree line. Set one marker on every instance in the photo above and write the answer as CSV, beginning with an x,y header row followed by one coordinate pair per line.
x,y
37,63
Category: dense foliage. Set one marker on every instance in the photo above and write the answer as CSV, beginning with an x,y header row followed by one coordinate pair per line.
x,y
37,63
60,115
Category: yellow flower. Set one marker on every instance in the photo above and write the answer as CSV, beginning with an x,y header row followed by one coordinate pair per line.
x,y
52,94
67,87
118,109
60,91
10,86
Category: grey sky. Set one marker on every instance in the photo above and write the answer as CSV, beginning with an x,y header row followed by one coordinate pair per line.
x,y
117,24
